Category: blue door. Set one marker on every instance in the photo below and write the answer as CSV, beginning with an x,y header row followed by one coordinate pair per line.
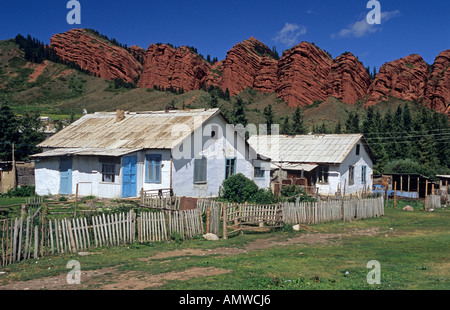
x,y
129,176
65,172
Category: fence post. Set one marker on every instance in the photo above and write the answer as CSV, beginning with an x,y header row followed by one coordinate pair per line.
x,y
446,193
225,232
426,194
395,194
208,214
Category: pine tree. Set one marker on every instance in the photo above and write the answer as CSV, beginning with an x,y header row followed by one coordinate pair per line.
x,y
239,116
298,126
268,115
286,128
338,128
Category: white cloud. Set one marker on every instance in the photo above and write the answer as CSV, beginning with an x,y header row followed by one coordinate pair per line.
x,y
289,34
362,28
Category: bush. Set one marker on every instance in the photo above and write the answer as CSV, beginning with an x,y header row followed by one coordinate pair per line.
x,y
23,191
240,189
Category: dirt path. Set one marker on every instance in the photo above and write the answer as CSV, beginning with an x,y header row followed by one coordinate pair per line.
x,y
112,279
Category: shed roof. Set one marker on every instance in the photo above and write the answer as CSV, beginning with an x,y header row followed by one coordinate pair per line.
x,y
138,130
317,149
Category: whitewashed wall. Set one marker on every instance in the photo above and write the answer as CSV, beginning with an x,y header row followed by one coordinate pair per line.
x,y
47,176
358,161
224,145
87,173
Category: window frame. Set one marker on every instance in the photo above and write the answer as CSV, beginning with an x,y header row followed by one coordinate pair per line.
x,y
111,173
363,174
260,170
232,163
200,172
322,174
351,175
154,161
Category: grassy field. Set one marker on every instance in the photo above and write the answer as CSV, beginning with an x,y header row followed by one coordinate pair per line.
x,y
411,247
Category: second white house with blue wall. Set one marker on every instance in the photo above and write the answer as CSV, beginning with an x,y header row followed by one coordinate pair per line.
x,y
118,154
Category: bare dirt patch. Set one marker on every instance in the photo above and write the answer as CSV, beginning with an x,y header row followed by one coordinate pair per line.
x,y
111,279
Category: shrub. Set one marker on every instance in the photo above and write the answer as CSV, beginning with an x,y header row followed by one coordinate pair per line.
x,y
239,189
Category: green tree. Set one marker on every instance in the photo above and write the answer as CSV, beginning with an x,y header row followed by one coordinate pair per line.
x,y
298,125
286,128
9,131
239,116
268,115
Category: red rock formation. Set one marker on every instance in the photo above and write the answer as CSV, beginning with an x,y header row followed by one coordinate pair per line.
x,y
247,64
438,87
348,79
404,78
165,66
98,56
303,75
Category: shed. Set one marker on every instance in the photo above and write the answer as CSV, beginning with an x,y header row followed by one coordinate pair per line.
x,y
327,164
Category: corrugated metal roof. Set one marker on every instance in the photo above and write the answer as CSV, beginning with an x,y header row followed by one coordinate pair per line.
x,y
85,152
139,130
330,149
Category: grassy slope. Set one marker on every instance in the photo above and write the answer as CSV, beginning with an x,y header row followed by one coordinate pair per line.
x,y
412,248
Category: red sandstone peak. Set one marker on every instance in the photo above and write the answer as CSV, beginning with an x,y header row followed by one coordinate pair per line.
x,y
165,66
247,64
348,79
94,54
404,78
438,86
303,75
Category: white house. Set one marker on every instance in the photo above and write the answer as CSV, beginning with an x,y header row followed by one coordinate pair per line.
x,y
114,155
324,163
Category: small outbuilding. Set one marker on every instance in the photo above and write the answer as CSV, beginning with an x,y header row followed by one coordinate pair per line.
x,y
323,164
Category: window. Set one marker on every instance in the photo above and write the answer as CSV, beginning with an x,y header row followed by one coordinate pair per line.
x,y
230,167
259,173
322,174
108,172
351,175
363,174
153,169
200,167
358,148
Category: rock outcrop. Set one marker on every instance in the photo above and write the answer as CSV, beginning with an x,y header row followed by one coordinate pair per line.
x,y
97,55
438,87
247,64
303,75
404,78
348,79
165,66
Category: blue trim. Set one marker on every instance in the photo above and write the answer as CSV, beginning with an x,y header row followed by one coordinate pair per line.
x,y
153,161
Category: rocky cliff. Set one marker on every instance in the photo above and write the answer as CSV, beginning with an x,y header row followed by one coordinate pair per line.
x,y
96,55
303,74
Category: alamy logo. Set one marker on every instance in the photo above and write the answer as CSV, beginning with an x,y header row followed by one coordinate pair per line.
x,y
374,275
74,275
74,16
374,16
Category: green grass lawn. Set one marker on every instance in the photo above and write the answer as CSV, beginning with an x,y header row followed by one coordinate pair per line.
x,y
411,247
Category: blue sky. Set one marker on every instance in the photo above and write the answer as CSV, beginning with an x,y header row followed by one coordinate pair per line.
x,y
213,27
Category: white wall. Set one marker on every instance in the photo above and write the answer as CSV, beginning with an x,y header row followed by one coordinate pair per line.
x,y
358,161
47,176
224,145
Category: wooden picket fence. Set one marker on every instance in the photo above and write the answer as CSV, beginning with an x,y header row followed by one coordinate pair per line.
x,y
332,210
161,226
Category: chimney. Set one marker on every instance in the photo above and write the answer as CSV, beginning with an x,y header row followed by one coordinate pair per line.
x,y
120,116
